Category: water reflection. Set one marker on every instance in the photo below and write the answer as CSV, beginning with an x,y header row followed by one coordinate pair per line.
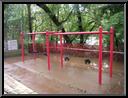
x,y
94,65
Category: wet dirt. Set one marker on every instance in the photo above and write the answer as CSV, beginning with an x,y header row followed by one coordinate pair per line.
x,y
75,77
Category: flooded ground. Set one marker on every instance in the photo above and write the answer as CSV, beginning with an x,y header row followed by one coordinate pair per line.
x,y
75,77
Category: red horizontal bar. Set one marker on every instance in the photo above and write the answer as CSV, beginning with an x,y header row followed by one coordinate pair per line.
x,y
73,33
87,50
36,33
69,33
49,32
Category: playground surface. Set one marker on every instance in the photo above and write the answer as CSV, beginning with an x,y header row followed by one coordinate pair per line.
x,y
74,78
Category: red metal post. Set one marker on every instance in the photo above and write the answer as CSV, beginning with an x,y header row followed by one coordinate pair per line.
x,y
61,51
56,43
111,50
22,45
100,55
48,50
33,45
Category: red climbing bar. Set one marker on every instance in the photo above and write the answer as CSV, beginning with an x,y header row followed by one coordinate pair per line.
x,y
111,50
100,55
34,33
56,43
74,33
100,32
33,46
61,51
68,33
22,45
48,50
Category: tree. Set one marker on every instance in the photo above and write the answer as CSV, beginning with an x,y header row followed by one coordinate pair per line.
x,y
55,20
77,6
64,17
29,18
113,16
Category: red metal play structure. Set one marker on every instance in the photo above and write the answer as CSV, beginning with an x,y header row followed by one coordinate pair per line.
x,y
61,34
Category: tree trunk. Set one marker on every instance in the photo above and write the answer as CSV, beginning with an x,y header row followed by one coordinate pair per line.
x,y
29,18
116,42
55,20
79,23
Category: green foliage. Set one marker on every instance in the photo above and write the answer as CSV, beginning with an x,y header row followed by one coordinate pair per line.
x,y
41,39
117,21
93,15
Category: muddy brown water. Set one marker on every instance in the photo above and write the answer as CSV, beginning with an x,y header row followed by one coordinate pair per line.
x,y
74,78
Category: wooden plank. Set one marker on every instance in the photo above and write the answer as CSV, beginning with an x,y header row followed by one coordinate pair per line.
x,y
12,86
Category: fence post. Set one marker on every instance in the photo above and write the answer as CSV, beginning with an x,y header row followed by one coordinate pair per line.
x,y
100,55
22,45
33,45
56,43
48,50
111,50
61,51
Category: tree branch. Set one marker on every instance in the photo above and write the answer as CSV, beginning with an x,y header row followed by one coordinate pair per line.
x,y
67,17
50,14
55,20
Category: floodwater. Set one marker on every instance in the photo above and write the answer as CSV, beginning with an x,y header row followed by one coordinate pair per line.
x,y
74,78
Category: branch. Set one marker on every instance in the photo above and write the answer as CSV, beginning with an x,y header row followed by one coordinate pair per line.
x,y
67,17
54,19
75,36
92,27
50,14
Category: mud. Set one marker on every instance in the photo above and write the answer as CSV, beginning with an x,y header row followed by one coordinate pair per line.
x,y
75,77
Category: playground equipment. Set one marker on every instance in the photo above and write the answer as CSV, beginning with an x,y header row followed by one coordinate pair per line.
x,y
61,34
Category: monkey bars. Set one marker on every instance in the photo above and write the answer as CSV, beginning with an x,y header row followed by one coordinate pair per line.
x,y
61,34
